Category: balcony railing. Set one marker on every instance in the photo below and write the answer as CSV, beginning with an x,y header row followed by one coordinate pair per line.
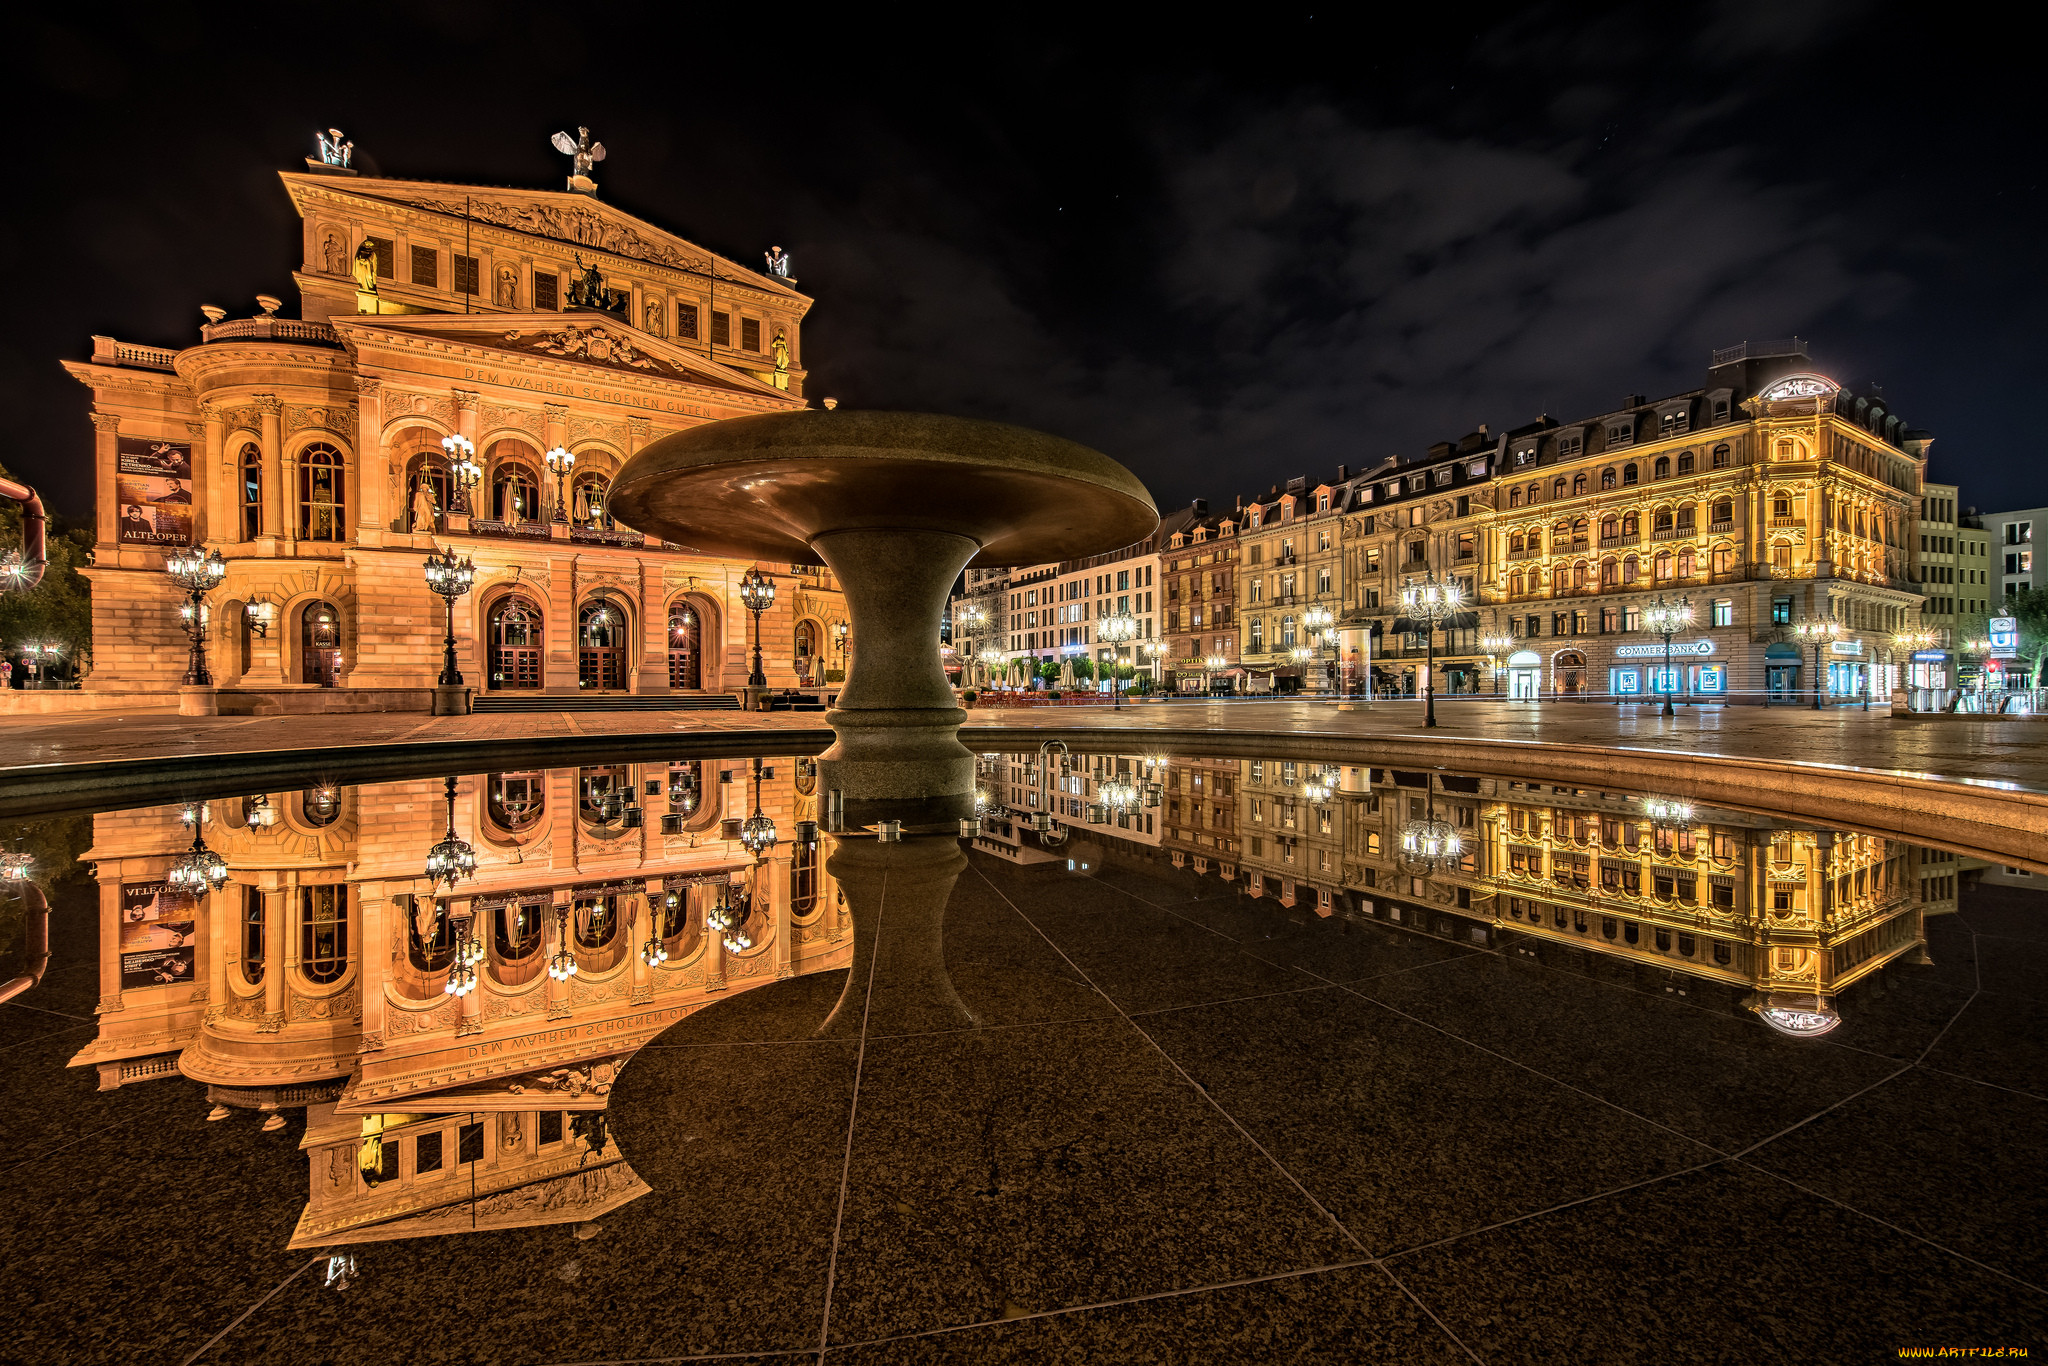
x,y
107,351
511,531
267,328
597,535
1718,527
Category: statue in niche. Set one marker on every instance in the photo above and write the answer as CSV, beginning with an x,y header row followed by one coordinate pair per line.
x,y
780,346
508,287
366,267
424,518
654,318
510,1135
332,257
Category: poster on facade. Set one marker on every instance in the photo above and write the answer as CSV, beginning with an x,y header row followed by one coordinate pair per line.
x,y
153,483
159,935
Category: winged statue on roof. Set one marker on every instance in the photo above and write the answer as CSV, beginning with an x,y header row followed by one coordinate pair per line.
x,y
582,152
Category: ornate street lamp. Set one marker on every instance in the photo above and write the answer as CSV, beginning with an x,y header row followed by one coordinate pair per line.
x,y
453,859
467,953
992,659
1316,787
1496,646
1157,650
1317,621
16,866
1116,630
200,870
560,462
1431,602
198,575
1430,842
1818,631
840,631
757,595
450,578
1116,796
1215,664
562,963
463,471
757,832
1667,619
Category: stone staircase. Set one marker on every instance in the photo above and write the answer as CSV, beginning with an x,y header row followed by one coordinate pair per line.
x,y
617,701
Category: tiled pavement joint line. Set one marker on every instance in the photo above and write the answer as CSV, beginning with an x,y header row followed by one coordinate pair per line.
x,y
1229,1000
1416,1300
765,1354
1886,1223
1588,1199
1200,1089
852,1118
41,1010
303,1269
52,1152
53,1034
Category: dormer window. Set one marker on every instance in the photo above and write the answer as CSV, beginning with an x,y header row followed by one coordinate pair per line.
x,y
1322,502
1417,483
1443,476
1673,421
1571,443
1525,456
1621,433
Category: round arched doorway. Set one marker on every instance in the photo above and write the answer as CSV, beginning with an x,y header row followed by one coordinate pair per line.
x,y
685,647
516,640
320,644
1570,670
809,644
601,646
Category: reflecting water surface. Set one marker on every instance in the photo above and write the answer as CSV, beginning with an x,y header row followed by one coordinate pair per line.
x,y
650,1060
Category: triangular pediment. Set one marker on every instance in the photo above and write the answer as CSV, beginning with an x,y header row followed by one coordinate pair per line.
x,y
602,341
578,221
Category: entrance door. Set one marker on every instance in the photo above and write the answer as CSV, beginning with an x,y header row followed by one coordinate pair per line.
x,y
320,644
1571,673
601,651
685,648
1522,684
515,644
1782,681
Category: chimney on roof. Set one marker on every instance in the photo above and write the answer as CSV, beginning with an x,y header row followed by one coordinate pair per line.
x,y
1240,502
1201,507
1634,401
1483,431
1343,473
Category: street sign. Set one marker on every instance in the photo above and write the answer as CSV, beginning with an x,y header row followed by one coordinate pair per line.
x,y
2005,638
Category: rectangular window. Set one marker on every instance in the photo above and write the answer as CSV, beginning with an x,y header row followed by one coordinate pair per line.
x,y
1724,613
426,1153
387,256
425,266
544,285
721,329
469,1143
750,334
465,274
1781,611
686,321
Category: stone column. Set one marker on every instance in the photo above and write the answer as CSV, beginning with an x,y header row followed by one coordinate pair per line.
x,y
373,475
897,755
106,461
275,958
218,916
110,943
644,924
212,482
776,869
270,435
381,933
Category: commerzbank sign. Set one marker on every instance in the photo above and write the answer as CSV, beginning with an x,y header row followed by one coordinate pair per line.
x,y
1678,647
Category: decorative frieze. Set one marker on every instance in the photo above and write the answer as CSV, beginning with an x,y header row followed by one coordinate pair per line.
x,y
346,1005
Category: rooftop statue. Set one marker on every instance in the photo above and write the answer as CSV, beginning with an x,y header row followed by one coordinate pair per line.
x,y
588,290
583,154
778,262
335,150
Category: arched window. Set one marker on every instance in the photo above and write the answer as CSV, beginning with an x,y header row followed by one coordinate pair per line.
x,y
320,806
1631,524
515,493
1610,527
1688,520
685,646
596,919
323,932
1579,528
1628,474
1663,564
1579,574
1287,633
685,787
1515,497
252,492
1660,520
253,941
1557,488
1685,462
1516,542
1560,579
803,880
322,510
1724,511
320,644
1515,584
1535,491
429,948
589,500
1607,477
1662,468
1628,569
516,930
1610,573
1578,484
601,645
1721,457
518,800
601,798
516,639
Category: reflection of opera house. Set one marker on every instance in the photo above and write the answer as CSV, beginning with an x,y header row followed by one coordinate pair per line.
x,y
320,973
313,453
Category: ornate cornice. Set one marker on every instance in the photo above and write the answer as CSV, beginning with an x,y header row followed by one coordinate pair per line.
x,y
465,400
368,384
107,422
267,404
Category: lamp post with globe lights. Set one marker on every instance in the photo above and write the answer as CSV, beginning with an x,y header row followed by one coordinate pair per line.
x,y
1317,621
1667,619
1115,631
199,870
198,575
1818,631
560,463
449,578
1432,602
1215,664
463,471
1156,649
1496,646
1906,642
757,595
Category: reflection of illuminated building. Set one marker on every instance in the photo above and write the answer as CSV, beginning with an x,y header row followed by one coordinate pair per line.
x,y
1199,814
318,974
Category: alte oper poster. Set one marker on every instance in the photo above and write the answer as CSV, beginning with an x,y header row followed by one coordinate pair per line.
x,y
153,483
159,943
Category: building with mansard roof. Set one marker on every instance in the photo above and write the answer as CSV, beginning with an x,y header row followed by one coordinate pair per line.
x,y
314,454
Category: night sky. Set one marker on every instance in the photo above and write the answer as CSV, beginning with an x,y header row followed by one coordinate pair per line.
x,y
1226,246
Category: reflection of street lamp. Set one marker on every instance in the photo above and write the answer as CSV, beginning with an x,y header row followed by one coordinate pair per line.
x,y
560,462
757,595
1430,843
1431,602
1496,646
757,832
1117,630
1667,619
453,859
200,870
1818,630
450,578
198,575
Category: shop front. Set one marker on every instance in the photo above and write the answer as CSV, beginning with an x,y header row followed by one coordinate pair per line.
x,y
1781,673
1525,675
1848,669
